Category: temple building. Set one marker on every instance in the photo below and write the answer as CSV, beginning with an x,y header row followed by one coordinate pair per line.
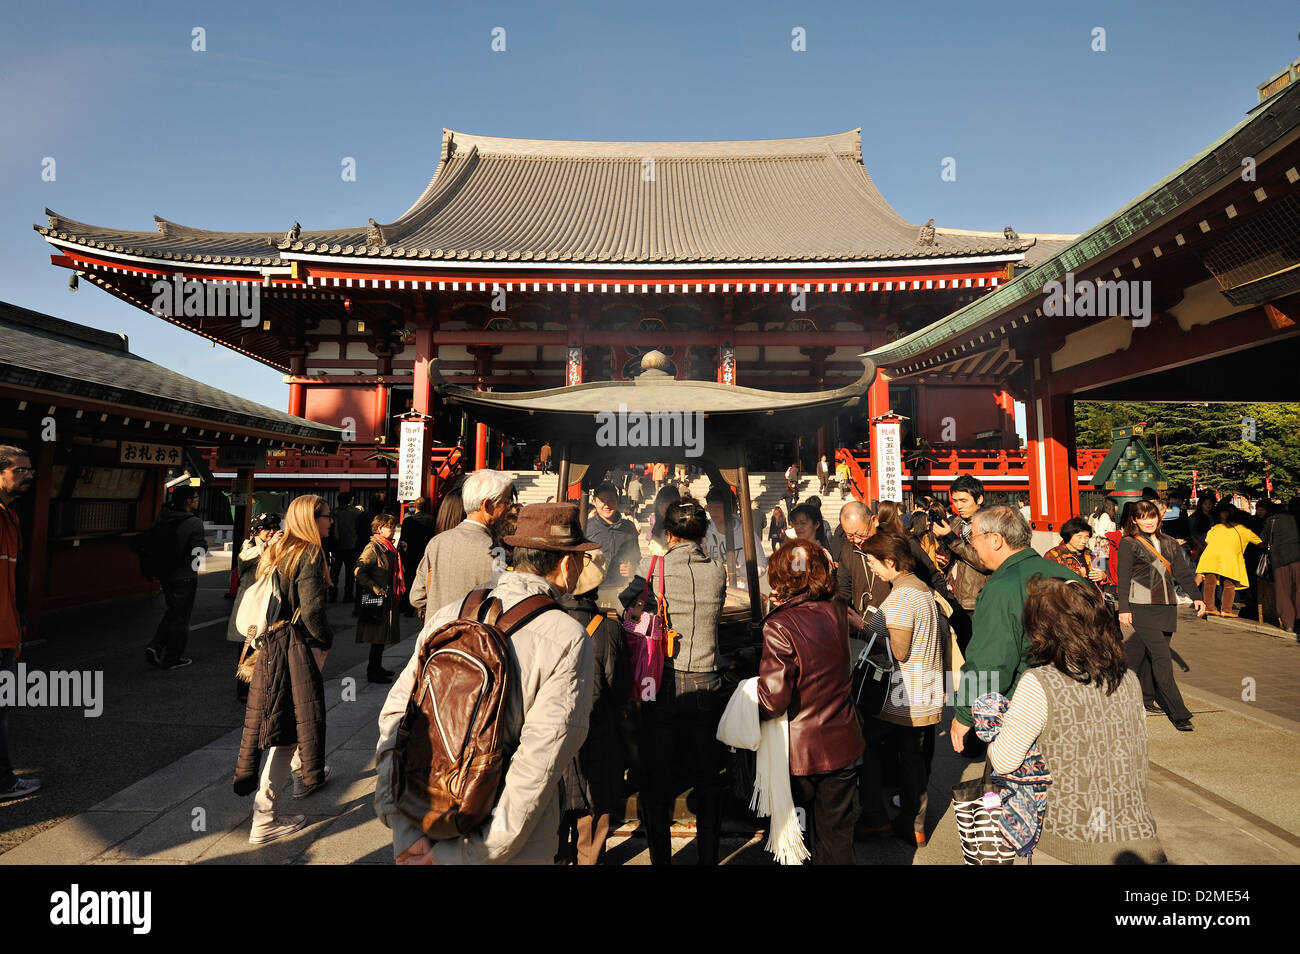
x,y
528,264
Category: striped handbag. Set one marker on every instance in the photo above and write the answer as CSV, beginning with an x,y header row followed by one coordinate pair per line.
x,y
977,807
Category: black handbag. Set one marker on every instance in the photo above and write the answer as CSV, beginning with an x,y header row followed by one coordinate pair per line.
x,y
374,607
873,671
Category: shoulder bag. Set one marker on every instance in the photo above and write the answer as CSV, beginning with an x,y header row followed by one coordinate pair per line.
x,y
647,634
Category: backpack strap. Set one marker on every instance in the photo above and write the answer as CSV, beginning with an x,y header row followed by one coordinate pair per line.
x,y
473,601
524,612
594,624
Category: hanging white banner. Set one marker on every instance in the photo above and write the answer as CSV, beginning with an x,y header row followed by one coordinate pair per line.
x,y
890,464
408,467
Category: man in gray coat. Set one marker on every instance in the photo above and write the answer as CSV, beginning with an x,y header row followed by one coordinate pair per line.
x,y
546,715
459,559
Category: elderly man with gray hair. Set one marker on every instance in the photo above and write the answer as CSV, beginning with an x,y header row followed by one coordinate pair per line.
x,y
457,560
998,652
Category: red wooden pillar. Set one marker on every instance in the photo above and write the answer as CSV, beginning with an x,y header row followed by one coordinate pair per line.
x,y
877,404
1007,406
381,409
483,367
1053,464
298,392
422,397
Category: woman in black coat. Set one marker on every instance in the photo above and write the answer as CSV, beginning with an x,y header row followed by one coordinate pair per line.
x,y
379,572
592,783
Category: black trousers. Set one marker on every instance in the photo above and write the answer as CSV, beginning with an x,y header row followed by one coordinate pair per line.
x,y
174,628
830,811
1149,656
962,623
679,748
911,748
346,563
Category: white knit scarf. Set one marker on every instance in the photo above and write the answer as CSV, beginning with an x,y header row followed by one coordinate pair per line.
x,y
741,728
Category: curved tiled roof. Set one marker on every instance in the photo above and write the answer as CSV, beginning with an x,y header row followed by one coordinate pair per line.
x,y
639,203
44,353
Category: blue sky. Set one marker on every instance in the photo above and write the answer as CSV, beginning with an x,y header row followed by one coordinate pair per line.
x,y
1048,134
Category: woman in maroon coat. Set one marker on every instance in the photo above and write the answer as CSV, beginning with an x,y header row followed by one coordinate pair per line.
x,y
804,674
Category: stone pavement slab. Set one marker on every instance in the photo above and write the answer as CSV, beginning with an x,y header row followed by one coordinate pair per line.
x,y
1213,792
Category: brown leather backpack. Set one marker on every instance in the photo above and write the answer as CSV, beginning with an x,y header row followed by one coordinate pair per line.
x,y
448,761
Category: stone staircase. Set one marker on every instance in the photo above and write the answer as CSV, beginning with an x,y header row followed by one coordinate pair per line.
x,y
765,488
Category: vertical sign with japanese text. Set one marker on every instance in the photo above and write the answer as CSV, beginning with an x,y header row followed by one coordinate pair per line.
x,y
889,445
408,468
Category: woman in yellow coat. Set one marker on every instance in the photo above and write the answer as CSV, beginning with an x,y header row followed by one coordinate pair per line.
x,y
1223,559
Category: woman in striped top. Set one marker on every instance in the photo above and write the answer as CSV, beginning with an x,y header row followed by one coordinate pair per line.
x,y
918,640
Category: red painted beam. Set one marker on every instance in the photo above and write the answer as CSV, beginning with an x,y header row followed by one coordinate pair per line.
x,y
736,280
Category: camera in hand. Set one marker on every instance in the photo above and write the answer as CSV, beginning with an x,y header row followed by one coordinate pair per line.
x,y
936,516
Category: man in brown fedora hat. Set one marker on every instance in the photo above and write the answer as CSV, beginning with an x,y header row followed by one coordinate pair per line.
x,y
545,718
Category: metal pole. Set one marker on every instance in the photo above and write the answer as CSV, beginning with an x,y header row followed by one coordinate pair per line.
x,y
751,558
562,478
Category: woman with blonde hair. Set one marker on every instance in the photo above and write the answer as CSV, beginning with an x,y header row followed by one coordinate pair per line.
x,y
286,700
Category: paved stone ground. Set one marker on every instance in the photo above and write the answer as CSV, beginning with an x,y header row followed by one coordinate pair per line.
x,y
149,780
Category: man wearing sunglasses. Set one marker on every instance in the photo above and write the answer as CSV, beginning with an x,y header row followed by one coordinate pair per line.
x,y
998,652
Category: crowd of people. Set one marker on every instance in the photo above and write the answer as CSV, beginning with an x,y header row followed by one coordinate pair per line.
x,y
863,627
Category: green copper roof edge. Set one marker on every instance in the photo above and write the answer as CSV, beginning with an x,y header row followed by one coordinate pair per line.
x,y
1263,126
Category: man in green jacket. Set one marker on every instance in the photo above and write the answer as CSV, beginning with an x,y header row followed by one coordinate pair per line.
x,y
998,652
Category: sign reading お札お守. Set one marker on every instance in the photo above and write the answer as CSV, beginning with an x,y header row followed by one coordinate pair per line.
x,y
135,452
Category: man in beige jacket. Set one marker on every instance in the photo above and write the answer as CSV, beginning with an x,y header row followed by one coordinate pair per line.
x,y
546,715
461,558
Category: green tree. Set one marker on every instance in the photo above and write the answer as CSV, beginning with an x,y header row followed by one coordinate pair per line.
x,y
1207,439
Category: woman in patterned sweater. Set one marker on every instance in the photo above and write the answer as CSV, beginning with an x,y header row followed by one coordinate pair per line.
x,y
1083,707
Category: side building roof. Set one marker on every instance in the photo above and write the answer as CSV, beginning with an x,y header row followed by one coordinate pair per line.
x,y
39,352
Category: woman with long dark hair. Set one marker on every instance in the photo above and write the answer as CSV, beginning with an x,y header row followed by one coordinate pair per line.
x,y
776,528
1149,563
451,512
1083,708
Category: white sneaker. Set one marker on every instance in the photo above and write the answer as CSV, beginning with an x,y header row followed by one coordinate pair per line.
x,y
280,826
